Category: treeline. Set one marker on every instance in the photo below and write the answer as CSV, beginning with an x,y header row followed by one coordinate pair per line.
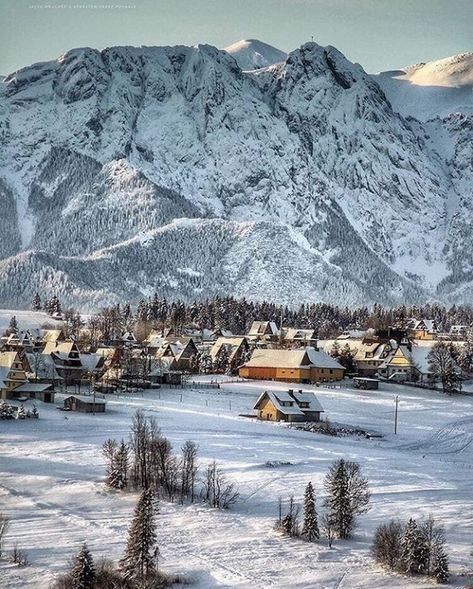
x,y
237,315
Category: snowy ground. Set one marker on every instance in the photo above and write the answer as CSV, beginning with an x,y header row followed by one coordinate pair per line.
x,y
51,473
25,319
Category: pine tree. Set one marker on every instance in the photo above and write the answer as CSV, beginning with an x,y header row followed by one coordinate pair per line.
x,y
310,526
83,570
140,559
348,495
118,475
414,550
20,413
13,325
36,303
440,564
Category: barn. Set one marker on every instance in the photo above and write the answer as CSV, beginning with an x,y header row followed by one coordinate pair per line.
x,y
84,404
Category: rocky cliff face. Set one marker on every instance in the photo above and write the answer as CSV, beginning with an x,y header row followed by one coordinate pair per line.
x,y
298,181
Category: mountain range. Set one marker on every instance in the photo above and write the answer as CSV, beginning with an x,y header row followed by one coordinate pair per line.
x,y
194,171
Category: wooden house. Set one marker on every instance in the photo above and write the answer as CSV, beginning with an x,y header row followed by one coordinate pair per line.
x,y
66,358
84,404
399,364
422,329
12,373
370,355
53,336
179,351
235,349
34,390
263,331
304,365
300,337
290,406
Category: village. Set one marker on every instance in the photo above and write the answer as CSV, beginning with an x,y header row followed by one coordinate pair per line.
x,y
36,363
275,406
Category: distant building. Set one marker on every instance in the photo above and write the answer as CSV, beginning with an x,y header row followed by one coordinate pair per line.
x,y
84,404
300,337
399,364
264,330
12,373
235,349
423,329
304,365
290,406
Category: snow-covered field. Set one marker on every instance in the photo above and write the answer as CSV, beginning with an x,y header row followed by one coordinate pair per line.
x,y
25,319
51,473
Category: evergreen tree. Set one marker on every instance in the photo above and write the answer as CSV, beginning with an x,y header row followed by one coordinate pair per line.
x,y
348,495
20,412
118,475
36,303
13,325
414,549
440,564
310,526
140,559
83,570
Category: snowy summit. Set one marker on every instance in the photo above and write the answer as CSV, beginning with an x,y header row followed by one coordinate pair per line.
x,y
251,54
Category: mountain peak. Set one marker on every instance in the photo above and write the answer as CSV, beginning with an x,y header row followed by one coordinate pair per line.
x,y
252,54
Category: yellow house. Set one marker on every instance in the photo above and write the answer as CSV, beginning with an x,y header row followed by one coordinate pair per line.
x,y
398,364
12,373
291,406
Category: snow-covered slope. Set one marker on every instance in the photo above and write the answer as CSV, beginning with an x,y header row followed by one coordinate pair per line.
x,y
251,54
314,186
427,90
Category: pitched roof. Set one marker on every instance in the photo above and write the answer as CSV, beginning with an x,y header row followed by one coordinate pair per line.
x,y
322,360
232,343
278,398
87,399
300,334
280,358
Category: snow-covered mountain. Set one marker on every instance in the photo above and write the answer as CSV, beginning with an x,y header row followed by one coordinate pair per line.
x,y
133,169
251,54
428,90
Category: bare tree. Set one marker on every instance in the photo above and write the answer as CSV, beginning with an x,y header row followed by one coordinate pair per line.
x,y
218,492
4,524
188,470
387,544
328,528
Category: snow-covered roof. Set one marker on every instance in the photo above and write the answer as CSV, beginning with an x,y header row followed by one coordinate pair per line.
x,y
261,327
87,399
321,359
32,387
300,334
280,400
91,361
232,343
280,358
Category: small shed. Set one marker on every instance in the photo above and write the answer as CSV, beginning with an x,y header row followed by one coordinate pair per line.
x,y
84,404
367,384
35,390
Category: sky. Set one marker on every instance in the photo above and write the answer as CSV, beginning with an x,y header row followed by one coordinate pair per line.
x,y
379,34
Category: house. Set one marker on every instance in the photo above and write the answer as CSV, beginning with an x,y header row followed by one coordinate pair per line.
x,y
290,406
129,340
300,337
181,349
235,348
53,335
370,355
423,329
264,330
34,390
12,373
459,331
84,404
367,384
66,358
41,368
20,341
92,363
304,365
399,364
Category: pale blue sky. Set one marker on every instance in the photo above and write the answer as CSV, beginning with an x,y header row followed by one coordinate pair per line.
x,y
380,34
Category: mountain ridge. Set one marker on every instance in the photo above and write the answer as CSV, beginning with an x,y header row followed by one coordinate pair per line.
x,y
104,146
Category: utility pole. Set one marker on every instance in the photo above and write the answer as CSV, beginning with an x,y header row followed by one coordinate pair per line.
x,y
396,401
